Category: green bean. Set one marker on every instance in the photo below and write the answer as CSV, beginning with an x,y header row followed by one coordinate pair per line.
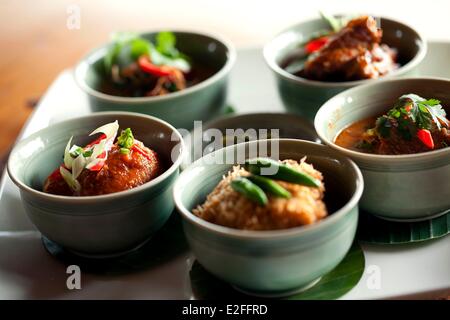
x,y
270,186
283,172
249,190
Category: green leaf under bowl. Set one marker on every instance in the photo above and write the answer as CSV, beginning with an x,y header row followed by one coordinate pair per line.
x,y
331,286
375,230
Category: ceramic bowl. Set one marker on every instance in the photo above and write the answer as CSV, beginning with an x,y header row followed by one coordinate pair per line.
x,y
213,134
399,187
306,96
96,225
278,262
199,102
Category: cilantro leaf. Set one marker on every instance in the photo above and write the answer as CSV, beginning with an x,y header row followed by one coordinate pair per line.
x,y
431,102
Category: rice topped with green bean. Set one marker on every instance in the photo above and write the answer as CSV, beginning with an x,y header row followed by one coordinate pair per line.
x,y
237,203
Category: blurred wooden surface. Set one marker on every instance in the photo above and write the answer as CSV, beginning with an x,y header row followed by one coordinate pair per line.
x,y
37,45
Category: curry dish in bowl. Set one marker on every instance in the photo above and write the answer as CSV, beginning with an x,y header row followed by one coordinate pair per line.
x,y
412,125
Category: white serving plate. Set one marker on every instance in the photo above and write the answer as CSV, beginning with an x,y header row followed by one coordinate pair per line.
x,y
27,271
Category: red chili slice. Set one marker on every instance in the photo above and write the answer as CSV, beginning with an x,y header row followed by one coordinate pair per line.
x,y
98,166
142,152
316,44
102,155
424,135
146,66
96,141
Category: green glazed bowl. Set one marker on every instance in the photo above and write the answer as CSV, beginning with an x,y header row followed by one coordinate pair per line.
x,y
104,225
306,96
397,187
246,127
278,262
202,101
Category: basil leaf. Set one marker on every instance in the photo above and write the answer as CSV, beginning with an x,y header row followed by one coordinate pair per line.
x,y
165,44
119,39
160,59
139,47
111,56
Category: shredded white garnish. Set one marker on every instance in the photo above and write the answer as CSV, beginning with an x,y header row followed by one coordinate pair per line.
x,y
67,176
67,157
76,165
109,129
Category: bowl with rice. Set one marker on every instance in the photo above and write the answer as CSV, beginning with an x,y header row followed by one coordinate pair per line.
x,y
274,225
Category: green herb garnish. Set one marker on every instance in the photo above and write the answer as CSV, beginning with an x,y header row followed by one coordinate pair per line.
x,y
75,151
125,141
336,23
162,52
124,150
165,44
139,47
411,113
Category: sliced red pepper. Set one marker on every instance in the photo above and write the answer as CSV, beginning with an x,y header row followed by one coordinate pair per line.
x,y
102,155
98,166
316,44
424,135
146,66
96,141
136,148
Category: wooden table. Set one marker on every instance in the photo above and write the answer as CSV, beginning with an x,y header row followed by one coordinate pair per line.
x,y
37,44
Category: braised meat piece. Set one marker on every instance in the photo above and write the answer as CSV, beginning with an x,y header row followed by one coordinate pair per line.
x,y
353,53
120,172
102,166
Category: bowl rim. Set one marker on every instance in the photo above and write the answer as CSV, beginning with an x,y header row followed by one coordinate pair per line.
x,y
273,65
83,64
105,197
369,156
270,234
242,116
